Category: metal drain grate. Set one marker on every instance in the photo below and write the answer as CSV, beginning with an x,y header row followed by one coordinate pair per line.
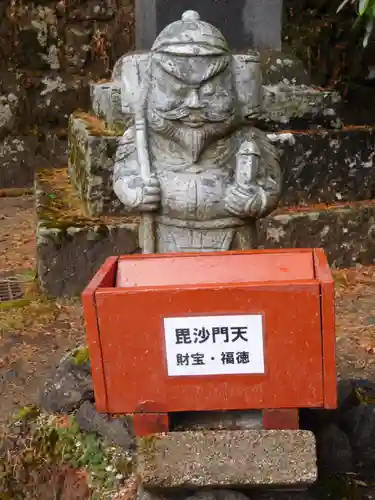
x,y
10,289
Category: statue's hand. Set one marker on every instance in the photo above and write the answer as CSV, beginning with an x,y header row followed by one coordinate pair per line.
x,y
139,194
244,203
150,195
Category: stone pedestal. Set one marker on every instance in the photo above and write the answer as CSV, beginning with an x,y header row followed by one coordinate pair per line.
x,y
245,23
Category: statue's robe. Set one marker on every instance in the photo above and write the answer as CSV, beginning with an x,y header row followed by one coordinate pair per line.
x,y
192,215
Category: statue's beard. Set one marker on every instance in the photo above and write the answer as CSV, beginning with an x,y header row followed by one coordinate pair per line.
x,y
193,140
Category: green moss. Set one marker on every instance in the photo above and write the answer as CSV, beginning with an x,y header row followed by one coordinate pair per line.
x,y
27,413
364,396
81,356
13,304
62,214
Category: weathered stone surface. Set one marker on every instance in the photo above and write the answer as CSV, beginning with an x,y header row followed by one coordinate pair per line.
x,y
328,166
359,424
298,107
9,111
106,104
147,495
17,161
334,451
346,232
227,458
68,386
217,495
91,159
52,98
113,430
50,51
283,67
78,40
79,10
70,246
39,36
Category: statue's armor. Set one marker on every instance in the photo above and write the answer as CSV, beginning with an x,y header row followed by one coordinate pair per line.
x,y
193,216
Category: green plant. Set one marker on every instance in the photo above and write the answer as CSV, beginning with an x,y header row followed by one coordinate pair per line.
x,y
54,442
366,13
81,356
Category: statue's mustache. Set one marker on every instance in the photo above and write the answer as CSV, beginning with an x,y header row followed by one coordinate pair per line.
x,y
199,115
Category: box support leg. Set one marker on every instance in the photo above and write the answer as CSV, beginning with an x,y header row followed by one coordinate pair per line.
x,y
150,423
281,419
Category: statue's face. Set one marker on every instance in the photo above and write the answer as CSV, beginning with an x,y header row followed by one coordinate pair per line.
x,y
192,99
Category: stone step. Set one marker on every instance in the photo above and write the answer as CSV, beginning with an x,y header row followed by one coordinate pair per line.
x,y
319,166
346,231
72,246
227,459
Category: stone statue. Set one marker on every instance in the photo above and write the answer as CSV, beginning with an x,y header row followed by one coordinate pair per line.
x,y
192,161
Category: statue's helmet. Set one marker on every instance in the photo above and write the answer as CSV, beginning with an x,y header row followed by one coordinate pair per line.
x,y
191,37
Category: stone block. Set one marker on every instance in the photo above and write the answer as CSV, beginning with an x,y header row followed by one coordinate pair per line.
x,y
52,98
68,387
13,103
327,166
97,10
106,104
282,67
346,231
70,246
17,161
293,106
227,459
39,37
91,158
116,431
244,23
77,45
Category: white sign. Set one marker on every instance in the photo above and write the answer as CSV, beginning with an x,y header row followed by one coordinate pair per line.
x,y
214,345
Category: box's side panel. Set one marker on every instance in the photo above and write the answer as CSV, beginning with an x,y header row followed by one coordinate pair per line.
x,y
135,345
104,277
323,274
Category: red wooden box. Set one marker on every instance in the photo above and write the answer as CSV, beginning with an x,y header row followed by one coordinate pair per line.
x,y
262,320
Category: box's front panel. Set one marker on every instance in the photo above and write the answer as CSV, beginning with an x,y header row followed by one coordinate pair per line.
x,y
212,349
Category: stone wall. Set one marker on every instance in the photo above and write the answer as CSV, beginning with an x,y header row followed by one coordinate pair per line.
x,y
50,51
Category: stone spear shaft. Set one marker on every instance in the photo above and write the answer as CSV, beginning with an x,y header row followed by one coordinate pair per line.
x,y
134,90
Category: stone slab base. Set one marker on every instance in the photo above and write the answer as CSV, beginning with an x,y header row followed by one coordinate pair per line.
x,y
318,166
70,246
227,459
